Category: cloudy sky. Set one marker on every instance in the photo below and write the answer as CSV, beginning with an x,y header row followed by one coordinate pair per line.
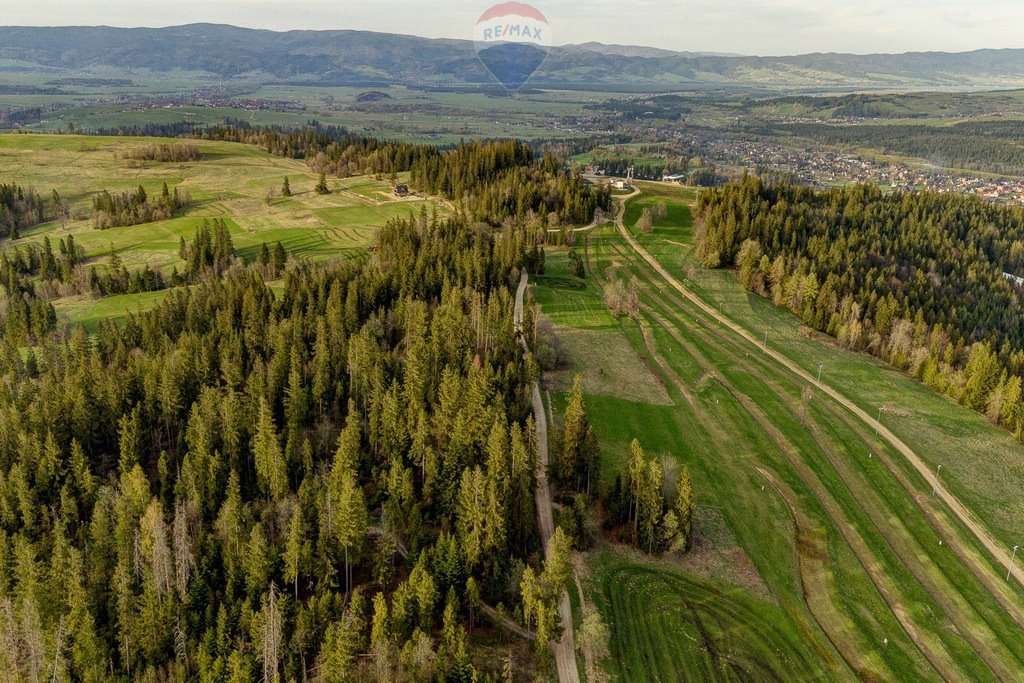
x,y
765,27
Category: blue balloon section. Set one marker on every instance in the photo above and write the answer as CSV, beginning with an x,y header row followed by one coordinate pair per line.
x,y
512,63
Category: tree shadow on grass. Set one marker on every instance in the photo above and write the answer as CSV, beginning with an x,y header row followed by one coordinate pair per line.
x,y
565,283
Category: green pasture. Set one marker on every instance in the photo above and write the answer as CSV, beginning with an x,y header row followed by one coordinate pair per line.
x,y
239,184
982,464
832,536
90,312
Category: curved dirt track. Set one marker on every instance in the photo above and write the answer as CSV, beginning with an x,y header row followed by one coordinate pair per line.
x,y
958,509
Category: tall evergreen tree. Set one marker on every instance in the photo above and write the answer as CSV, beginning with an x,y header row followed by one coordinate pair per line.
x,y
267,455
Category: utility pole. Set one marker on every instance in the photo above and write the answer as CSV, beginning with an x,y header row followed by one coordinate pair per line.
x,y
821,366
1012,557
766,342
878,422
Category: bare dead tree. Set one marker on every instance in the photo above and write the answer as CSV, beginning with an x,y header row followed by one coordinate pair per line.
x,y
184,559
271,645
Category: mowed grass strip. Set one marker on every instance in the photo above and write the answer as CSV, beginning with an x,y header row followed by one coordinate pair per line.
x,y
722,462
738,444
952,573
717,469
967,605
981,464
591,339
668,625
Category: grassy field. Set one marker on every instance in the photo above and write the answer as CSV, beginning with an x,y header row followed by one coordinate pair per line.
x,y
237,183
831,535
686,628
979,462
89,312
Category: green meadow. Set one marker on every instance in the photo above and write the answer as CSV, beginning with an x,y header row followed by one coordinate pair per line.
x,y
826,554
239,184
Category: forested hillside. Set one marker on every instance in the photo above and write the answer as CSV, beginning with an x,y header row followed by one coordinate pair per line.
x,y
22,207
494,180
321,485
916,279
344,58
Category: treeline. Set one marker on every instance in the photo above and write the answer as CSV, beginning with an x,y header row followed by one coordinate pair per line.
x,y
33,274
619,167
500,180
327,149
637,505
209,255
496,180
672,159
849,106
211,248
115,278
152,130
133,208
660,107
325,485
36,259
164,152
706,177
25,313
22,208
914,278
656,522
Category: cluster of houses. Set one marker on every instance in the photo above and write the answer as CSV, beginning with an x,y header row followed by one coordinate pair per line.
x,y
824,169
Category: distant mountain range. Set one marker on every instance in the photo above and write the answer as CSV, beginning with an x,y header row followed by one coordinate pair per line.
x,y
361,58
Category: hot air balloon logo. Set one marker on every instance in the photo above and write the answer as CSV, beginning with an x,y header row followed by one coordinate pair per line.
x,y
512,40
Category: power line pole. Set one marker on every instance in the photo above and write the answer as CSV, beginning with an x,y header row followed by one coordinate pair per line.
x,y
938,470
1012,557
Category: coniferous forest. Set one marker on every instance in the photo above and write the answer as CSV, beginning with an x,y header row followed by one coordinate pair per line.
x,y
494,180
918,279
331,483
22,207
327,484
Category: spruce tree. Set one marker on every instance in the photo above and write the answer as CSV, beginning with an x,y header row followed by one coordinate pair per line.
x,y
579,459
267,455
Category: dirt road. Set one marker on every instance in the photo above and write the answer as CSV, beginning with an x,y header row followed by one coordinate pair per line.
x,y
565,649
996,549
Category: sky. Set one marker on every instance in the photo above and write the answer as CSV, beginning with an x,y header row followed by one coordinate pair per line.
x,y
761,27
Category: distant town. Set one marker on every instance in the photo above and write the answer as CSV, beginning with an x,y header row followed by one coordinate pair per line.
x,y
827,169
